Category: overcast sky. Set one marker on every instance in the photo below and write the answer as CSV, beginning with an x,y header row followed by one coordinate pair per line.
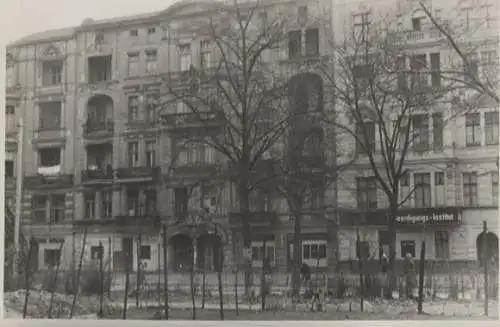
x,y
24,17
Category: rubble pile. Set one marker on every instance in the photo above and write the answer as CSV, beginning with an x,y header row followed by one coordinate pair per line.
x,y
39,303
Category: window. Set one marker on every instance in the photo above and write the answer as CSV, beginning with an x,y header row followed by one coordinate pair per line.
x,y
185,54
52,72
133,155
10,118
416,23
96,252
209,198
151,30
294,44
99,39
57,208
361,26
258,253
494,187
435,69
133,108
467,16
100,68
50,115
260,201
361,75
422,190
39,208
51,257
366,193
151,105
439,189
491,127
405,180
471,71
402,135
418,64
151,61
473,129
49,157
420,132
489,63
181,201
150,198
439,178
107,204
402,79
134,64
437,131
133,202
313,250
470,189
205,54
133,32
150,154
263,22
365,138
408,247
90,205
441,244
145,252
9,168
302,14
312,42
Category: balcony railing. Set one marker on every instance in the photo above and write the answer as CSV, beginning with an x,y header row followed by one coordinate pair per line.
x,y
192,119
91,127
264,219
99,174
50,133
60,180
196,169
138,172
141,219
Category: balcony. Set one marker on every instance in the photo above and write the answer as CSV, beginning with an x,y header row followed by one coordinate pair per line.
x,y
97,175
49,182
196,169
422,36
55,135
140,173
146,219
256,219
192,120
141,124
98,129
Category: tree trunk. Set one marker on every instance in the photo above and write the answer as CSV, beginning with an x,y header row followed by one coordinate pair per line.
x,y
297,258
393,208
243,197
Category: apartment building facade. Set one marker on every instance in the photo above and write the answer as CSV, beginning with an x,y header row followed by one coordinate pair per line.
x,y
97,166
452,169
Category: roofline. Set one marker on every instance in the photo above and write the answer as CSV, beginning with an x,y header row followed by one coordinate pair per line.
x,y
156,16
120,21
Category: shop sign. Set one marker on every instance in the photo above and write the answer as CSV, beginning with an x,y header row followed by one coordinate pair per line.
x,y
414,216
433,218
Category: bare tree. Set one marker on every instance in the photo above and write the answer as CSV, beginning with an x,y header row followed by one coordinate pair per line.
x,y
385,94
303,177
236,96
466,38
